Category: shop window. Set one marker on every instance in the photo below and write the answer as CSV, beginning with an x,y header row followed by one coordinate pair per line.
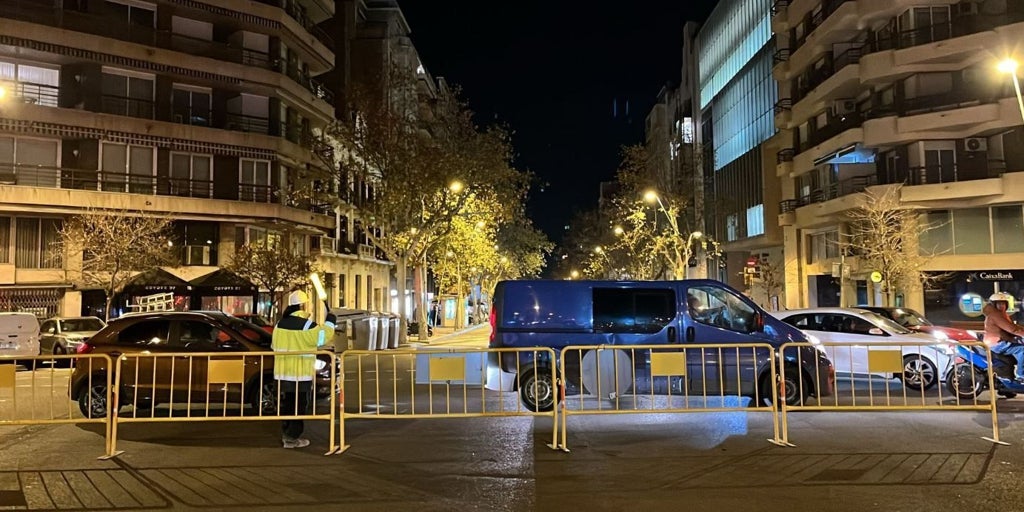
x,y
37,243
971,231
1008,229
937,235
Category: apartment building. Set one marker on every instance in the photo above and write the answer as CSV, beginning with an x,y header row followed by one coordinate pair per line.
x,y
198,110
905,92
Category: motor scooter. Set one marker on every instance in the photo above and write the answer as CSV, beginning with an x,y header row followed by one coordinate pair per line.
x,y
968,376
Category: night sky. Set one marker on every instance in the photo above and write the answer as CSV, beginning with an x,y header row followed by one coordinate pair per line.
x,y
551,70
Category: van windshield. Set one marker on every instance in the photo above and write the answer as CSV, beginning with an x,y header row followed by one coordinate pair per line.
x,y
719,307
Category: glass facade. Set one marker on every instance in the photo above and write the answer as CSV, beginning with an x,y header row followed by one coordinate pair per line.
x,y
743,114
734,33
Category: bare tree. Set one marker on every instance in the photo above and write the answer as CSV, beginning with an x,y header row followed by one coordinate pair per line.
x,y
272,268
115,245
885,233
771,280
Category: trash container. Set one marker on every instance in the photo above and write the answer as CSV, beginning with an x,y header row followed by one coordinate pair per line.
x,y
365,330
393,332
383,329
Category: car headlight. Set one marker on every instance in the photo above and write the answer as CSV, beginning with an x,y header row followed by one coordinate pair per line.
x,y
320,364
815,342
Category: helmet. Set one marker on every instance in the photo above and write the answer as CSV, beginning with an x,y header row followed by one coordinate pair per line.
x,y
297,297
1001,296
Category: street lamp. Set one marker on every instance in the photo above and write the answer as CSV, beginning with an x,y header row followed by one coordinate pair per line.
x,y
456,186
618,230
598,249
574,274
1009,65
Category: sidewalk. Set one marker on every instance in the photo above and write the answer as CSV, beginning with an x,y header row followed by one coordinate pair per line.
x,y
474,335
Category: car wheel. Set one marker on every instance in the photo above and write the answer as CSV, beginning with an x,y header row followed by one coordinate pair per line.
x,y
964,382
92,401
263,397
536,389
919,373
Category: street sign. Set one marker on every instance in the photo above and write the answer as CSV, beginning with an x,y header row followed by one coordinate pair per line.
x,y
876,277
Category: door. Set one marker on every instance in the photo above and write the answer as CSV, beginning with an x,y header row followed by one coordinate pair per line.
x,y
48,337
717,315
140,382
202,337
939,166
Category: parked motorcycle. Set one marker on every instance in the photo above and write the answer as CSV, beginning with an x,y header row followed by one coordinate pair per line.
x,y
968,377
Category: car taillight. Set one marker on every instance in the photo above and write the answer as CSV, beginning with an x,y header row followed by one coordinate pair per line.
x,y
84,348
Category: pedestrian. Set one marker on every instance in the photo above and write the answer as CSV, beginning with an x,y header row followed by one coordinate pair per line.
x,y
297,332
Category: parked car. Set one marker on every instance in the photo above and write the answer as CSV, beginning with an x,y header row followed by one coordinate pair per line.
x,y
172,332
19,336
918,323
560,314
923,365
60,336
257,320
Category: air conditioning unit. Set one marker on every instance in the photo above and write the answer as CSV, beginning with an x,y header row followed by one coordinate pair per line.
x,y
197,255
843,107
976,144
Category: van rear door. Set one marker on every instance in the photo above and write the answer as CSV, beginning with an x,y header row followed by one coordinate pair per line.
x,y
19,335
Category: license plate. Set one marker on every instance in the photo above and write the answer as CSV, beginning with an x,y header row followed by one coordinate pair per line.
x,y
7,345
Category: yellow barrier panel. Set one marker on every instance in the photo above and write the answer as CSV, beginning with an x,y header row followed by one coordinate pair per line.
x,y
219,386
644,379
447,383
56,389
884,376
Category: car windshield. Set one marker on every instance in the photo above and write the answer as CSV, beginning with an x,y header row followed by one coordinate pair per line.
x,y
255,320
909,318
81,325
885,323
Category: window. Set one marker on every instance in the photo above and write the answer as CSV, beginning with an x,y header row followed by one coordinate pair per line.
x,y
732,227
26,161
36,243
823,246
191,105
147,333
127,94
48,327
191,175
127,168
755,220
644,311
971,231
718,307
32,84
192,28
5,239
134,12
198,242
853,325
199,336
254,181
1008,229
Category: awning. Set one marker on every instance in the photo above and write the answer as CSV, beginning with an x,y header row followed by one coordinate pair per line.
x,y
156,281
222,282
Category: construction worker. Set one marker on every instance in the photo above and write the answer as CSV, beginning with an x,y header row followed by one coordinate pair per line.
x,y
297,332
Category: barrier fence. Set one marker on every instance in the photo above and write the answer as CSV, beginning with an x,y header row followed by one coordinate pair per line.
x,y
41,397
219,386
644,379
407,384
888,376
450,383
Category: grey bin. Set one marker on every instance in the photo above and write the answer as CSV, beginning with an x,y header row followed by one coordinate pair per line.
x,y
393,332
383,329
365,330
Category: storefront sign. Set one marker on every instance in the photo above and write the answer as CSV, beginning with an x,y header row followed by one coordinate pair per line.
x,y
994,275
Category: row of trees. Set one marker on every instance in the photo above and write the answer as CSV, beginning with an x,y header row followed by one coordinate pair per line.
x,y
427,184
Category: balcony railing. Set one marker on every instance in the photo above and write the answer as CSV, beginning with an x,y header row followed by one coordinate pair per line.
x,y
960,25
783,105
244,123
828,7
779,7
786,155
195,116
185,187
780,55
837,126
833,191
36,94
127,106
814,77
255,193
295,11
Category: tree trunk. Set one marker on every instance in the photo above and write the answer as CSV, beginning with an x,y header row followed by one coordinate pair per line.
x,y
421,299
106,310
403,319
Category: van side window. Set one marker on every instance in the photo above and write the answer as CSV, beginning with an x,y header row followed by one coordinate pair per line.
x,y
640,311
718,307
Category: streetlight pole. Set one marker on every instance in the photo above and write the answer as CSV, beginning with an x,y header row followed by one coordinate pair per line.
x,y
1010,65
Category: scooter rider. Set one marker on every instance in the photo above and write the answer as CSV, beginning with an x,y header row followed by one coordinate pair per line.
x,y
1001,332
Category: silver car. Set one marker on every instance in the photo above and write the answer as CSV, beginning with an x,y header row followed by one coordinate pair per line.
x,y
64,335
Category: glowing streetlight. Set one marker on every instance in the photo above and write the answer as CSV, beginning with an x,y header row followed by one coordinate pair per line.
x,y
599,249
618,230
1009,66
651,196
574,274
3,92
480,224
456,186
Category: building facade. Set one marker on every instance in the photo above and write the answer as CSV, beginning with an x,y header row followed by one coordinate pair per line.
x,y
877,94
198,111
735,130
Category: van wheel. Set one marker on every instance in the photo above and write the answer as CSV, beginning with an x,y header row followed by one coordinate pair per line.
x,y
796,391
537,390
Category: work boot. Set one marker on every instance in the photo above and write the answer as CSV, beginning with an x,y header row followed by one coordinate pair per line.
x,y
295,443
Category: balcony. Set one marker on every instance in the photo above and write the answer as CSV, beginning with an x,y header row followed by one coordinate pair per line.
x,y
32,93
832,129
84,179
783,112
245,123
828,7
813,78
297,13
302,78
833,191
959,26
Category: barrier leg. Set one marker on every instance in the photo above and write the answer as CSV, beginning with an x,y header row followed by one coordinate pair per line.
x,y
332,446
776,440
561,392
994,398
112,409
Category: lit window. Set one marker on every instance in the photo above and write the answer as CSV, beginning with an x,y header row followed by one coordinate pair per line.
x,y
755,220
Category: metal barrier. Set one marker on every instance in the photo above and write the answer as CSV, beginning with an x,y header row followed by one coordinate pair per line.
x,y
631,379
458,372
53,390
881,376
218,386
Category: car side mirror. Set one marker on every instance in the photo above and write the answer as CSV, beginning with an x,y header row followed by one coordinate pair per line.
x,y
875,331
